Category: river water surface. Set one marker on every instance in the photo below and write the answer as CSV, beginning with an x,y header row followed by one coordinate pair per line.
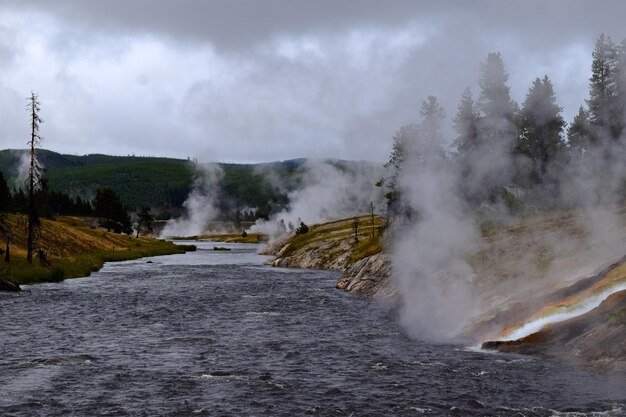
x,y
217,333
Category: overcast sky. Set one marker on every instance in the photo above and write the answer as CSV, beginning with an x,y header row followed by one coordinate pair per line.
x,y
246,81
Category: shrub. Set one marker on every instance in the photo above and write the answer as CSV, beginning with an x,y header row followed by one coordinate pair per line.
x,y
57,275
302,229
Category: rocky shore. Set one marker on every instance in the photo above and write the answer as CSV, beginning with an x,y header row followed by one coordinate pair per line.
x,y
332,248
595,340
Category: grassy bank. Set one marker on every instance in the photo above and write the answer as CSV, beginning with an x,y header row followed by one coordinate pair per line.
x,y
75,248
226,238
336,238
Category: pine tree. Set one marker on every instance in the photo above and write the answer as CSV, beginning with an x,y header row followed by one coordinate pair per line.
x,y
430,136
5,203
144,222
466,124
578,137
5,194
497,134
495,104
541,127
620,76
605,115
405,138
112,213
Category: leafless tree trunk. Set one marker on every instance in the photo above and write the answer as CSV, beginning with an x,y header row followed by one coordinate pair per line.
x,y
33,174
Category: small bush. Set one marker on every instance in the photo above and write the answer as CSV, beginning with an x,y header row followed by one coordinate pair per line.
x,y
302,229
220,248
57,275
511,201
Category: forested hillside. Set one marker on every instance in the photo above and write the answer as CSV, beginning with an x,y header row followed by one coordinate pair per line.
x,y
252,190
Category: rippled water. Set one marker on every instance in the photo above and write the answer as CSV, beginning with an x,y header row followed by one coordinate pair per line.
x,y
217,333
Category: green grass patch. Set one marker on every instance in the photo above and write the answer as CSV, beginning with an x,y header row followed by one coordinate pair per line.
x,y
234,238
320,233
84,264
366,247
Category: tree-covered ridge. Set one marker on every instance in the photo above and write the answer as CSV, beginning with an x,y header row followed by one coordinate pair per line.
x,y
154,182
164,183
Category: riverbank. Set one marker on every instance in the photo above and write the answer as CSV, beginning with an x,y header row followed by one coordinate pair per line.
x,y
225,237
524,268
332,245
584,323
74,248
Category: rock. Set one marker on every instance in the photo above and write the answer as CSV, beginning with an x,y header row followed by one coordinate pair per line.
x,y
9,285
369,276
330,247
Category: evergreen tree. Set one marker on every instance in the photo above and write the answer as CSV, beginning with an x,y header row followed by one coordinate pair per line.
x,y
111,211
5,195
406,137
620,76
605,111
495,103
432,118
19,202
430,137
578,136
466,123
490,167
541,127
144,221
5,204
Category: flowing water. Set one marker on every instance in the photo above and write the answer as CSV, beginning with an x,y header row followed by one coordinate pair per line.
x,y
216,333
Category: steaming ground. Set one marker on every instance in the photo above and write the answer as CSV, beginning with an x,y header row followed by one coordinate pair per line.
x,y
219,333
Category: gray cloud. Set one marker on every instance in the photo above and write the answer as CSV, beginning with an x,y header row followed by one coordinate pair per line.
x,y
249,81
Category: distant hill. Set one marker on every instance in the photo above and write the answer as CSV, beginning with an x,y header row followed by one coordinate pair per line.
x,y
165,183
161,182
157,182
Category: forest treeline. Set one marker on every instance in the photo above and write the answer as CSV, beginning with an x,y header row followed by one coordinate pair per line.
x,y
522,155
246,191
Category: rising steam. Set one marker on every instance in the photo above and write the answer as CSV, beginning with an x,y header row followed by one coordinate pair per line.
x,y
439,229
200,206
329,191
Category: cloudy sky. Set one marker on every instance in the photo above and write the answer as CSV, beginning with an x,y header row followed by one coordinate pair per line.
x,y
246,81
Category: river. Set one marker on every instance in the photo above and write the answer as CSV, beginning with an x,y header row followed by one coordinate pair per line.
x,y
217,333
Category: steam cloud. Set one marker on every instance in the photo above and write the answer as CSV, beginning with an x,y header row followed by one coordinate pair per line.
x,y
440,291
329,191
200,207
428,258
23,168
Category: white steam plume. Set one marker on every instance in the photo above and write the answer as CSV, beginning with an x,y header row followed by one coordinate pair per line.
x,y
433,279
200,206
329,191
23,168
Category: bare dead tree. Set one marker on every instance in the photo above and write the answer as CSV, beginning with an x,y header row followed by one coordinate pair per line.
x,y
355,227
34,173
372,212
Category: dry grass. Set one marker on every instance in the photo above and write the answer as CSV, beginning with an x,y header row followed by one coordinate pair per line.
x,y
75,248
337,232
